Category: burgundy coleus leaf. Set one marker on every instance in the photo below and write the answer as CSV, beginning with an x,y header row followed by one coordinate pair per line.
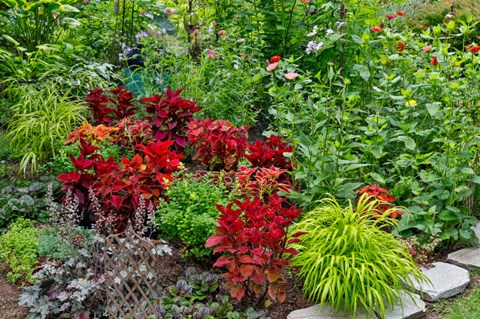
x,y
87,148
69,177
116,200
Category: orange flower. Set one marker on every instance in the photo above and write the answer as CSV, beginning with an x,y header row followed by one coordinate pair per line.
x,y
399,46
275,59
376,29
434,60
400,14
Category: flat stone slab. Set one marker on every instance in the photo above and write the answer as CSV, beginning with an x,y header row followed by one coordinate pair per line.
x,y
476,230
447,280
412,307
326,312
468,258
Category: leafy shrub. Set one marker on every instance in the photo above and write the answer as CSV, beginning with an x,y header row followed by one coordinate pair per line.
x,y
189,211
23,199
170,116
117,187
252,236
347,259
433,13
218,144
39,23
19,250
272,152
42,118
110,107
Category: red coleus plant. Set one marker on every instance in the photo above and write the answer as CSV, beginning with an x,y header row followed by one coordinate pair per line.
x,y
131,132
218,144
109,108
170,116
270,152
253,239
118,187
375,192
261,181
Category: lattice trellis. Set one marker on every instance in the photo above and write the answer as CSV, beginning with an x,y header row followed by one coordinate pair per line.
x,y
131,276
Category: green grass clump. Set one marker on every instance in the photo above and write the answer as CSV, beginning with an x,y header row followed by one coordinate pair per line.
x,y
348,259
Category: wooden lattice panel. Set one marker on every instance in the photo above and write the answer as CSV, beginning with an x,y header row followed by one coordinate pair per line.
x,y
131,276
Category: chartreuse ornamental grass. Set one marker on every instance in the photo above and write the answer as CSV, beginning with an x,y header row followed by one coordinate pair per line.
x,y
42,119
348,259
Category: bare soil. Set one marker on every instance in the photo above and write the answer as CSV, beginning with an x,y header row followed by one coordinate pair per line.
x,y
9,294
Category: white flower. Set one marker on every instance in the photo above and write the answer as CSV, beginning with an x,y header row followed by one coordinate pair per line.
x,y
313,46
313,32
329,32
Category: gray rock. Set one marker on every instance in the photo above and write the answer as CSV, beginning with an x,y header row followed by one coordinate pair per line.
x,y
446,281
468,258
476,230
326,312
412,307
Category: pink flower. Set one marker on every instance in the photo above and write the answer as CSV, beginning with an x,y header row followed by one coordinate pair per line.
x,y
221,32
390,16
196,31
271,66
291,76
376,29
169,11
304,1
211,54
427,48
411,251
242,53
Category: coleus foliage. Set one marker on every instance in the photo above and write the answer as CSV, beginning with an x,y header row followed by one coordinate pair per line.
x,y
218,144
382,195
118,186
170,116
91,133
270,152
261,181
253,239
112,107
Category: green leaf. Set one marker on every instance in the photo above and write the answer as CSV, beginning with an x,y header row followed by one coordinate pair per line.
x,y
376,151
433,108
10,39
347,190
409,142
476,179
377,177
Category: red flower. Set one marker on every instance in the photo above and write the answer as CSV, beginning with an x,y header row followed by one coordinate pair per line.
x,y
390,16
376,29
424,27
473,49
434,60
400,14
275,59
